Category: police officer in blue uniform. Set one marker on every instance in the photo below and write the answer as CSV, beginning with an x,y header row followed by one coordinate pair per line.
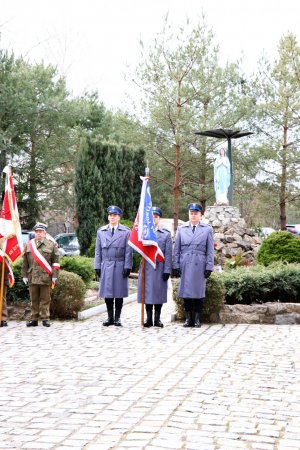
x,y
113,263
156,280
193,263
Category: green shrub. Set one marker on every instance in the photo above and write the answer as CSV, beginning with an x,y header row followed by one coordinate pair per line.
x,y
279,246
67,298
91,250
127,223
19,292
81,265
259,284
214,299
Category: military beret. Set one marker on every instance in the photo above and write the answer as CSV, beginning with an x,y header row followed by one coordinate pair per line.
x,y
40,226
156,210
194,207
114,210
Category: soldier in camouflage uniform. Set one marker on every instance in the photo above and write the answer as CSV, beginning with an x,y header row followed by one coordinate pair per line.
x,y
40,270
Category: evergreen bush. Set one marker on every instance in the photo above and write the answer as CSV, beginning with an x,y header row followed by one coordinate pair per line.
x,y
259,284
19,292
214,299
81,265
91,250
67,298
279,246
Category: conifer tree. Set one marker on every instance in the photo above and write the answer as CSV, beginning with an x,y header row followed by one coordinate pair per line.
x,y
88,191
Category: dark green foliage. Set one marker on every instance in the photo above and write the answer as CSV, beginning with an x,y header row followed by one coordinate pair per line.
x,y
259,284
19,292
88,190
91,250
136,183
105,175
215,296
67,296
279,246
127,223
82,266
136,261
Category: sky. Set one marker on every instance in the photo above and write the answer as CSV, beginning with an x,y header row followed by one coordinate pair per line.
x,y
94,42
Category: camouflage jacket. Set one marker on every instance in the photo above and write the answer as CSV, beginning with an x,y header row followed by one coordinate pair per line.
x,y
32,270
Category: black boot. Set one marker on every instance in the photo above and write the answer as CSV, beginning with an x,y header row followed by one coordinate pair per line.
x,y
118,322
197,320
3,323
157,322
188,320
110,319
32,323
149,321
46,323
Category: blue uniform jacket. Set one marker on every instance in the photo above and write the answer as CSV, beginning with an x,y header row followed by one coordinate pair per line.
x,y
193,254
112,255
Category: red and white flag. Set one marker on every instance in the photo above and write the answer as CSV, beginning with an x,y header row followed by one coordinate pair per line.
x,y
11,241
143,236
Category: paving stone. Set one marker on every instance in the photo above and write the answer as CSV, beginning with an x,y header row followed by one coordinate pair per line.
x,y
82,386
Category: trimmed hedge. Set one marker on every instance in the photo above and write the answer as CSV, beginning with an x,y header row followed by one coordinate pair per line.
x,y
67,298
81,265
259,284
214,299
279,246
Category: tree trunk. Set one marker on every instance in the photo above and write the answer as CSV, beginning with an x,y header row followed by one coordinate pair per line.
x,y
282,194
203,163
177,180
177,188
33,208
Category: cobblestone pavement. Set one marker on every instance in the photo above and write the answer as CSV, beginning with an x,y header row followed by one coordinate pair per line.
x,y
79,385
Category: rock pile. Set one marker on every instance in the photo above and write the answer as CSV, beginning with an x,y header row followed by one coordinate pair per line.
x,y
231,234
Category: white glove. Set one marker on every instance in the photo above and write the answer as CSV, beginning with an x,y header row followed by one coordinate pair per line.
x,y
25,280
54,280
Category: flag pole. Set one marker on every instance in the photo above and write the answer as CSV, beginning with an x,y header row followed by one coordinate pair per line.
x,y
147,172
2,286
143,292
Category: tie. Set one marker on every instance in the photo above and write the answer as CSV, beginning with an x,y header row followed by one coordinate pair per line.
x,y
194,227
112,231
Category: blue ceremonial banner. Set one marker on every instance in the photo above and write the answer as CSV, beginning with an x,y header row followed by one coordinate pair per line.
x,y
143,236
146,231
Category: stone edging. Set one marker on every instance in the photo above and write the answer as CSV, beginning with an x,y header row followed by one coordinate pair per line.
x,y
90,312
265,313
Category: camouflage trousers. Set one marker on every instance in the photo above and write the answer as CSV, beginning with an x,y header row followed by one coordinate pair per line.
x,y
40,301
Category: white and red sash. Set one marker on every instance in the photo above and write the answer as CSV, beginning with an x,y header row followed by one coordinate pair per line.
x,y
42,262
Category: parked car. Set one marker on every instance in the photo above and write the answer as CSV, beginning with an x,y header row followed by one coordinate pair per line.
x,y
68,244
266,231
27,235
295,229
